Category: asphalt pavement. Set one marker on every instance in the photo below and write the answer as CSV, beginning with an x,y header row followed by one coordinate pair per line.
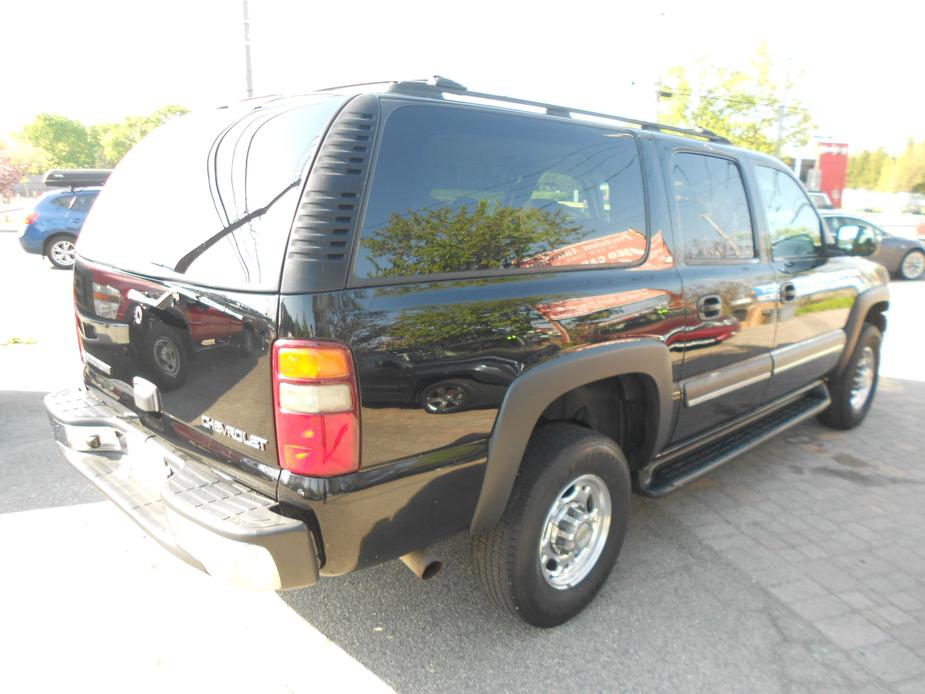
x,y
799,567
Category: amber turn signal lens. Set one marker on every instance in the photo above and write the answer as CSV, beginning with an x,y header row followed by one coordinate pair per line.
x,y
310,362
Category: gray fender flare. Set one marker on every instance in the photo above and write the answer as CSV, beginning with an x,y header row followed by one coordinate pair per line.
x,y
535,390
865,301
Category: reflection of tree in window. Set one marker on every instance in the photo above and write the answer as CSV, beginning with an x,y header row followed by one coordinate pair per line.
x,y
462,191
476,237
507,322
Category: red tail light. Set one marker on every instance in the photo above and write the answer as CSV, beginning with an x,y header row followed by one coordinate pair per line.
x,y
317,409
31,217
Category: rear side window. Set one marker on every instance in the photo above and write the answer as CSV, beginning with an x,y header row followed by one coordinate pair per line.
x,y
712,208
460,191
792,219
209,198
64,201
84,202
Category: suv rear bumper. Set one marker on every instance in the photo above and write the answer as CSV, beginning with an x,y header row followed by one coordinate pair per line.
x,y
214,524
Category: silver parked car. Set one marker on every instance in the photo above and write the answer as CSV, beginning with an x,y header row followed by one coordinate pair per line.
x,y
902,257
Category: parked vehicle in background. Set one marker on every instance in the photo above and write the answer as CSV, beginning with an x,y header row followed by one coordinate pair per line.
x,y
821,200
470,316
903,258
54,224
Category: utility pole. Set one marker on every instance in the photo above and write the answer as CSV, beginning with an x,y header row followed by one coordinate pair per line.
x,y
247,53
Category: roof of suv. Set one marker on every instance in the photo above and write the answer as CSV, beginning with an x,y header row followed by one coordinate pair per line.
x,y
437,88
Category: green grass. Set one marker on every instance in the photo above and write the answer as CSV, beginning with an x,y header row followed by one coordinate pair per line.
x,y
18,341
827,305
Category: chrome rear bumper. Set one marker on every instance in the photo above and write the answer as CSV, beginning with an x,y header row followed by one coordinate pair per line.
x,y
209,521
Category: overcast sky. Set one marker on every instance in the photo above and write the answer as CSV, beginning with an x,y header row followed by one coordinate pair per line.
x,y
98,60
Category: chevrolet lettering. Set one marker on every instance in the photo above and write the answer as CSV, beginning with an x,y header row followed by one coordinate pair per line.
x,y
234,433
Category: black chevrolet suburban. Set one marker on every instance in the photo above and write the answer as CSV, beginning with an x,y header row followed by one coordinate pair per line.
x,y
325,331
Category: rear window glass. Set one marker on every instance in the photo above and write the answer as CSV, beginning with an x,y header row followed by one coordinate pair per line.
x,y
209,198
84,202
459,191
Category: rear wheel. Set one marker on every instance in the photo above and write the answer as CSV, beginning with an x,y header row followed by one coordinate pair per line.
x,y
853,391
167,356
247,343
912,266
445,397
562,529
61,251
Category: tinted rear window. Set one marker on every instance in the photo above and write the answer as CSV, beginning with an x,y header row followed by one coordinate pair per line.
x,y
64,201
166,209
460,190
84,202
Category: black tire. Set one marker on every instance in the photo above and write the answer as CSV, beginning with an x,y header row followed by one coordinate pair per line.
x,y
446,397
918,269
166,354
59,249
247,343
507,559
848,409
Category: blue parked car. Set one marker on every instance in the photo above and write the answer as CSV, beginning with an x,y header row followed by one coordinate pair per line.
x,y
52,227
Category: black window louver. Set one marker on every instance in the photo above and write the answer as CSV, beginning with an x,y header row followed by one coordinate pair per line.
x,y
325,225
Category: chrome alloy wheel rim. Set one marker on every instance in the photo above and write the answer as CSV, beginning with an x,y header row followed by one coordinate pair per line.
x,y
914,265
575,532
167,356
863,380
444,398
63,252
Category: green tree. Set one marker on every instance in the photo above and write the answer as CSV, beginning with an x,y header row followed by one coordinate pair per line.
x,y
746,106
909,172
887,179
871,177
448,326
116,139
858,165
67,143
444,239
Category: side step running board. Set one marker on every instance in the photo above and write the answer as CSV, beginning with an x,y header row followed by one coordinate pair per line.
x,y
685,465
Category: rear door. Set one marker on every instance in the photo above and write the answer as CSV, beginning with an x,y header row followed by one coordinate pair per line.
x,y
815,292
728,293
79,209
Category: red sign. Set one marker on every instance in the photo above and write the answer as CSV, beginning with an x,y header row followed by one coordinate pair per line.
x,y
833,169
623,247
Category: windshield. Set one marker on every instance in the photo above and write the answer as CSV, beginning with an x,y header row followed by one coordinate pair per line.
x,y
209,198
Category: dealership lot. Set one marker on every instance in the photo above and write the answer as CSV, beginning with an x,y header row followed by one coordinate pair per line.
x,y
800,567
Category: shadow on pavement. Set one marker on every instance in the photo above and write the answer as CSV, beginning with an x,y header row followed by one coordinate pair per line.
x,y
33,473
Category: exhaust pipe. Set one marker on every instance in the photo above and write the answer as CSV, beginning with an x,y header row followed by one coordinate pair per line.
x,y
422,564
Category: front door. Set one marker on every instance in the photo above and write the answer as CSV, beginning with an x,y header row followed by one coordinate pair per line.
x,y
729,294
815,292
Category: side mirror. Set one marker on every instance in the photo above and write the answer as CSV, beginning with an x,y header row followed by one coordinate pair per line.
x,y
854,239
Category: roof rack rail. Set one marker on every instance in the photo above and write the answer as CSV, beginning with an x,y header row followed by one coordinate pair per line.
x,y
438,85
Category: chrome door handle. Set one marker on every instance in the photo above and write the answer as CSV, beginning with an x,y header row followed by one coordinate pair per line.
x,y
709,307
788,292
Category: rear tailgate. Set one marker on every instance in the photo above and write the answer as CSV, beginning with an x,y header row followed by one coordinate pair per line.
x,y
208,353
178,276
